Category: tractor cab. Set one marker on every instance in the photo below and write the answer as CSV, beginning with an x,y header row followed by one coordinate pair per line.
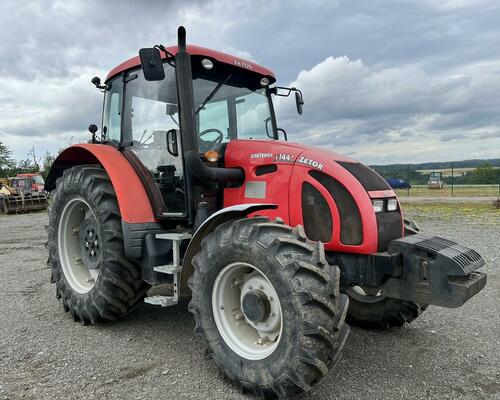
x,y
144,98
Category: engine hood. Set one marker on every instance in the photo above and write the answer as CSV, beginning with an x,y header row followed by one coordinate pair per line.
x,y
331,195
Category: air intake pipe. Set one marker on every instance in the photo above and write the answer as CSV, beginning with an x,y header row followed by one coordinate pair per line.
x,y
208,174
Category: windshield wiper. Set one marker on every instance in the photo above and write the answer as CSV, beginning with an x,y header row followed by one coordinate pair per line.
x,y
212,93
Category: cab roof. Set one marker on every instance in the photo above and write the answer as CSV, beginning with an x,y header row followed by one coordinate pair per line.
x,y
135,62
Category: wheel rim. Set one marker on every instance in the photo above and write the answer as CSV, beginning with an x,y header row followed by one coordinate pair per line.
x,y
365,294
79,245
247,311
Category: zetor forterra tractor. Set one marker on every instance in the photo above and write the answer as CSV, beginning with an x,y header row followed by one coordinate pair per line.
x,y
191,182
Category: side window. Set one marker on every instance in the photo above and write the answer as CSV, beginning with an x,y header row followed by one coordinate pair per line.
x,y
111,124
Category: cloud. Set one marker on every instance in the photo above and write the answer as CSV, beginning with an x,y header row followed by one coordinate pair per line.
x,y
350,104
381,82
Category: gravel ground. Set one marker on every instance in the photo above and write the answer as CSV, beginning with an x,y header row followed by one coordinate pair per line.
x,y
152,354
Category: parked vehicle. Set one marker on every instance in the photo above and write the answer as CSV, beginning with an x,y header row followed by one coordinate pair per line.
x,y
37,182
19,196
397,183
192,182
435,180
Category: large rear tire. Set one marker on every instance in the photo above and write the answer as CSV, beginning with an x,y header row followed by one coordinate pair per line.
x,y
94,279
267,306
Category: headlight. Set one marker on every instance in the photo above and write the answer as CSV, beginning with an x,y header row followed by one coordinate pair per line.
x,y
392,205
378,205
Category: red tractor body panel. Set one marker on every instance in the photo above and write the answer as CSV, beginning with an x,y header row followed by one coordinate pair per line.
x,y
133,200
135,62
283,187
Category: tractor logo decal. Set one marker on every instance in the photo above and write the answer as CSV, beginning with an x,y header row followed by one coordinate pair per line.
x,y
310,163
284,157
241,63
261,155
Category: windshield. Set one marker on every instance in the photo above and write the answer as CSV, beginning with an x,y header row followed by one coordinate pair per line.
x,y
38,179
232,111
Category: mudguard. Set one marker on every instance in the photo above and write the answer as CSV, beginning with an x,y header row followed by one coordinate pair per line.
x,y
135,206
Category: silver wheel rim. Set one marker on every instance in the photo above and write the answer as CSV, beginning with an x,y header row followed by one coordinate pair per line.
x,y
365,294
80,278
250,340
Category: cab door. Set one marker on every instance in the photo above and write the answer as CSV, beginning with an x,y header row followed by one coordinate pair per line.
x,y
150,133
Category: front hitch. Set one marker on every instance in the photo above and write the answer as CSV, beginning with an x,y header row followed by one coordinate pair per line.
x,y
420,268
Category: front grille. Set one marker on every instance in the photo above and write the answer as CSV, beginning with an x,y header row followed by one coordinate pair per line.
x,y
368,178
316,214
351,228
389,226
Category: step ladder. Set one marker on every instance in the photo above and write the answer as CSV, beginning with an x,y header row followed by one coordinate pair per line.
x,y
173,269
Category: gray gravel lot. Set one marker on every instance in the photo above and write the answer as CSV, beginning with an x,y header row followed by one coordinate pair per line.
x,y
152,354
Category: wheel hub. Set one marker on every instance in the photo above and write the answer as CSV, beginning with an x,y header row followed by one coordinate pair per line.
x,y
247,311
256,306
90,245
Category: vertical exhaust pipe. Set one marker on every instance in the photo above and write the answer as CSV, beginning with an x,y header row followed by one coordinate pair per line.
x,y
187,118
185,93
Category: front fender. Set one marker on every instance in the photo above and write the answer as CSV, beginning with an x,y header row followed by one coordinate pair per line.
x,y
134,203
226,214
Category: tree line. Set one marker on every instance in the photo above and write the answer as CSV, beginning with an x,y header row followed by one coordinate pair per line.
x,y
33,163
484,174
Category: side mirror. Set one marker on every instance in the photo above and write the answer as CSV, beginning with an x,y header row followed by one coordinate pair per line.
x,y
151,63
172,146
299,101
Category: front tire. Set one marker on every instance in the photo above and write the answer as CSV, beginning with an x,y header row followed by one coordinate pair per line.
x,y
94,279
250,259
369,309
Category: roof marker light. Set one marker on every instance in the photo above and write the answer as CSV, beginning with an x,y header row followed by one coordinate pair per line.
x,y
264,82
207,64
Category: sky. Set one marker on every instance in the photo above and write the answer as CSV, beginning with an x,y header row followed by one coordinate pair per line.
x,y
401,81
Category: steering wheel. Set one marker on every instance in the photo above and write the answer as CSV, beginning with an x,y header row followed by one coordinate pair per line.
x,y
143,141
210,144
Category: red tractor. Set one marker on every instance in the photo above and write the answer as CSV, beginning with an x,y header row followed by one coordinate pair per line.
x,y
37,183
192,183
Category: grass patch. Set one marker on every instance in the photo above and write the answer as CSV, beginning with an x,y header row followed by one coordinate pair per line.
x,y
449,211
458,190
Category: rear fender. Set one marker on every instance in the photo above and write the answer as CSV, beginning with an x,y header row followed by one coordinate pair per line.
x,y
226,214
133,200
